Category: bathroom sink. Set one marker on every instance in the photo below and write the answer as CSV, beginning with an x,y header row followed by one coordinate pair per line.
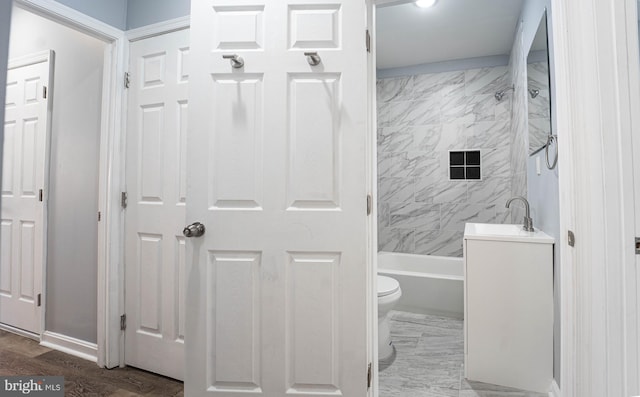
x,y
504,232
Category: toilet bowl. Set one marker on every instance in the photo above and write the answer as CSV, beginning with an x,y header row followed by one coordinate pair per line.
x,y
389,293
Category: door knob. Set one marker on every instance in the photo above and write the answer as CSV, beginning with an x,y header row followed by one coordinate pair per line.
x,y
195,229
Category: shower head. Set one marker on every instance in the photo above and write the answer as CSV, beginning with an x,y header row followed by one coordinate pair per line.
x,y
500,94
533,92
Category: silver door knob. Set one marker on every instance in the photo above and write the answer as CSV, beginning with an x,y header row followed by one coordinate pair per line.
x,y
313,58
236,61
196,229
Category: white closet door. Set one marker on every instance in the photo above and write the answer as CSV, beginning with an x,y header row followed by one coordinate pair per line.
x,y
155,216
24,179
276,287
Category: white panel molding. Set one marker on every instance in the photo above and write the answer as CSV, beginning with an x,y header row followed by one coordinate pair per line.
x,y
66,344
159,28
111,174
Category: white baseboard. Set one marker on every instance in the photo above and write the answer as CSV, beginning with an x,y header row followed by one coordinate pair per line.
x,y
555,390
18,331
69,345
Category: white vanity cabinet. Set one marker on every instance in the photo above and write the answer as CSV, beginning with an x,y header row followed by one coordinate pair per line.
x,y
508,306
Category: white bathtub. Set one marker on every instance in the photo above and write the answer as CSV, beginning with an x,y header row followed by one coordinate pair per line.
x,y
430,284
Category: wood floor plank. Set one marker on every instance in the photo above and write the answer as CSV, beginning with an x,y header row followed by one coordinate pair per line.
x,y
23,356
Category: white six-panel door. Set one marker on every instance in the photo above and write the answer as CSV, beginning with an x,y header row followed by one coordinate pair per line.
x,y
24,179
276,288
155,216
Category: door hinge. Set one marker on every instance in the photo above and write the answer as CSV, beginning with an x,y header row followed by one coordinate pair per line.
x,y
99,216
39,300
41,195
572,239
44,91
368,40
123,200
123,322
369,204
637,245
127,79
369,376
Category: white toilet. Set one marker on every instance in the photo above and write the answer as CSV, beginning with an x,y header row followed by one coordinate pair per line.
x,y
389,293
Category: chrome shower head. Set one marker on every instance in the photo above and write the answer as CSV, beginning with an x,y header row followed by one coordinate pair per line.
x,y
500,94
533,92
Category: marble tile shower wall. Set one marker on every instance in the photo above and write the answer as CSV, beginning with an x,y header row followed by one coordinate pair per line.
x,y
519,124
421,118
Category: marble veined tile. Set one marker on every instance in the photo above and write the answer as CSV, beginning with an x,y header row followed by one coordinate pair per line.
x,y
409,113
538,76
433,83
394,89
415,216
396,189
439,243
503,109
480,108
539,130
486,80
539,107
458,108
454,216
450,136
488,135
426,166
490,190
396,240
383,214
478,389
395,139
443,191
495,163
394,165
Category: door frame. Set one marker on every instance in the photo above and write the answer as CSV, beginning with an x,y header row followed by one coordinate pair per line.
x,y
110,180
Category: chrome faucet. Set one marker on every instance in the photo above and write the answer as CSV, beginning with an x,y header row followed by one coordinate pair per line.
x,y
528,222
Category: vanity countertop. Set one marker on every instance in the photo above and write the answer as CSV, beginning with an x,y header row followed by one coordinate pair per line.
x,y
505,232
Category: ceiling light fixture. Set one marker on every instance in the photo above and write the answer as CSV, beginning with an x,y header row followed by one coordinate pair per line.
x,y
425,3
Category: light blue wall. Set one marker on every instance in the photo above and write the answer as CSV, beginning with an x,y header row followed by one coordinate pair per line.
x,y
446,66
112,12
147,12
543,189
131,14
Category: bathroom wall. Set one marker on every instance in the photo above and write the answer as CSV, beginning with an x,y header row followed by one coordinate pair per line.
x,y
112,12
421,118
147,12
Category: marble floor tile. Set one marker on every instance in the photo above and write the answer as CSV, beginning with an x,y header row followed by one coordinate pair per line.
x,y
428,361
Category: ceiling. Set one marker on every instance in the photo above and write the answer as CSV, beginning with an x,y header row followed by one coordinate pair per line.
x,y
452,29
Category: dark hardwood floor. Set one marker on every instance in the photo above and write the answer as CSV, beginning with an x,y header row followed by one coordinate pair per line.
x,y
23,356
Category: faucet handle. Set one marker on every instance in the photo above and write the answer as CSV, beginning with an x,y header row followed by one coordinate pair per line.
x,y
528,224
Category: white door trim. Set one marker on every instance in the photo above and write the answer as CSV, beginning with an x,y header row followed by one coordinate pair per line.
x,y
593,44
633,282
158,29
111,180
